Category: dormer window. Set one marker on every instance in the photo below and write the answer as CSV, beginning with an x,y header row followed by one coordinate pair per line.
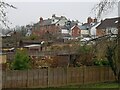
x,y
53,20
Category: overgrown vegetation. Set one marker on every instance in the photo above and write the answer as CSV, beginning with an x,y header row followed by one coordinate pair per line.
x,y
33,37
102,62
112,56
101,8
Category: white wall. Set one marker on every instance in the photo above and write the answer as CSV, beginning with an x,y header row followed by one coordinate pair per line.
x,y
93,30
61,22
112,30
84,32
65,31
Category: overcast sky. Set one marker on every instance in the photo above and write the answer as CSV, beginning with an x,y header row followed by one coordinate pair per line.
x,y
31,11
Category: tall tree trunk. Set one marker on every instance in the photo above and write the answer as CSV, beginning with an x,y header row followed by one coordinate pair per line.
x,y
119,42
119,46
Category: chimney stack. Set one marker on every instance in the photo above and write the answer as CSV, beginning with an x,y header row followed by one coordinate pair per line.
x,y
101,21
95,20
89,20
41,19
53,15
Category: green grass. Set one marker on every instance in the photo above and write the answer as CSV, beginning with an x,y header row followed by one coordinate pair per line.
x,y
99,85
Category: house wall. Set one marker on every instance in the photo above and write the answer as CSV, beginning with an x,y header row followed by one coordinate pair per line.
x,y
100,32
62,22
65,31
76,32
112,30
84,32
43,29
54,20
93,30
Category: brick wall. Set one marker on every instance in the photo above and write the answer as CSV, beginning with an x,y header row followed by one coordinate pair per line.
x,y
76,32
41,30
100,32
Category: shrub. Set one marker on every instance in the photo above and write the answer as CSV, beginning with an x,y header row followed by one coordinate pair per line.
x,y
21,61
101,62
105,62
85,49
33,37
98,63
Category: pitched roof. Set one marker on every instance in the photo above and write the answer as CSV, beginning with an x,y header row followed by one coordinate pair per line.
x,y
56,17
70,24
46,22
87,26
5,32
64,27
75,26
108,23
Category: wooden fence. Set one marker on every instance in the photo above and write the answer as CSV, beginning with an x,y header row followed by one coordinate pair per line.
x,y
54,77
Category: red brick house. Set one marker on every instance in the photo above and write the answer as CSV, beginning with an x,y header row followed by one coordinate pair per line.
x,y
54,26
45,26
100,32
75,31
107,26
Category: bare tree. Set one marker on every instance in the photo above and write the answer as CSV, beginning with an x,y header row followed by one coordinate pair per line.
x,y
104,6
113,56
3,13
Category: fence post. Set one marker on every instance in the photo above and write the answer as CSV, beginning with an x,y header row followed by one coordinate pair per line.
x,y
27,82
83,74
48,73
100,78
4,84
66,75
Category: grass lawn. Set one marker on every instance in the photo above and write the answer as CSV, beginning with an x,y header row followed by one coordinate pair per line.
x,y
99,85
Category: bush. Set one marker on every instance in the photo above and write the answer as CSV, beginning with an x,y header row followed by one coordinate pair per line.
x,y
21,61
101,62
105,62
98,63
84,49
33,37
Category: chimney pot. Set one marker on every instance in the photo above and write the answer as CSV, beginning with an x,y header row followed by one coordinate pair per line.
x,y
53,15
89,20
101,20
41,19
95,20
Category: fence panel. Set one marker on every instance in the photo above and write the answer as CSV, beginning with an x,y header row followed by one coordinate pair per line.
x,y
3,79
54,77
43,78
75,76
8,79
111,75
